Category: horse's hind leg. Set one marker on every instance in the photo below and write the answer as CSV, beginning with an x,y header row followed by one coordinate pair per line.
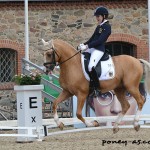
x,y
63,96
140,102
120,93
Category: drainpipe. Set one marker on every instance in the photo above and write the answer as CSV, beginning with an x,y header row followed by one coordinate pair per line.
x,y
149,27
26,34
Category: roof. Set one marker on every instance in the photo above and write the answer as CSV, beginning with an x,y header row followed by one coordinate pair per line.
x,y
42,0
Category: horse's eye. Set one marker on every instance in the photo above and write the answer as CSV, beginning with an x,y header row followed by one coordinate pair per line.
x,y
49,55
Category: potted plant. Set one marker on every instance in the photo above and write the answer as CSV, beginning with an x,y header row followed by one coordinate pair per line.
x,y
32,79
29,102
25,81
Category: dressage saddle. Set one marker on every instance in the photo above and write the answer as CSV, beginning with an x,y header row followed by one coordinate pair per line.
x,y
95,73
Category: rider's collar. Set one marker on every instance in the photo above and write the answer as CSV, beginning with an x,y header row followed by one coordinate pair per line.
x,y
103,22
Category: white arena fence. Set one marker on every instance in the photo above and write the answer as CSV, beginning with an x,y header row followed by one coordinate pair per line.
x,y
144,119
38,133
29,133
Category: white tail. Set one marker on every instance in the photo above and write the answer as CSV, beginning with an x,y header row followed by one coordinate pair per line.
x,y
146,74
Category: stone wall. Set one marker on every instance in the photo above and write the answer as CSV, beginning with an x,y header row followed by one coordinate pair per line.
x,y
72,22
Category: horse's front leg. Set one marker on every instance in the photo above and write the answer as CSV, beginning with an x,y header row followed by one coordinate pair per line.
x,y
80,104
63,96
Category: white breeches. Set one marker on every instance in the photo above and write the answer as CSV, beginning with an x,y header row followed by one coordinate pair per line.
x,y
96,55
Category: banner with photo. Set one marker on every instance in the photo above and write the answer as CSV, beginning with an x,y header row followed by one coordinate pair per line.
x,y
107,104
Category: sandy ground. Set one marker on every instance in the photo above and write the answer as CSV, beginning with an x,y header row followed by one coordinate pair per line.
x,y
125,139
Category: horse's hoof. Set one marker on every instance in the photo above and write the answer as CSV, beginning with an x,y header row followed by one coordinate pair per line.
x,y
137,127
115,129
61,126
95,123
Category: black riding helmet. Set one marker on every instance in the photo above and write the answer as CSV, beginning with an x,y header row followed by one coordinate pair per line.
x,y
101,11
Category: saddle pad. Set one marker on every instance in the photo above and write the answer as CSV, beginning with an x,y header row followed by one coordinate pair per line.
x,y
107,69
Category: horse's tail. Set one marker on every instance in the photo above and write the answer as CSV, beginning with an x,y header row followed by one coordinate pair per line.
x,y
146,74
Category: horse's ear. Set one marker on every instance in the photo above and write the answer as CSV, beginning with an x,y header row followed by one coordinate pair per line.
x,y
45,43
51,43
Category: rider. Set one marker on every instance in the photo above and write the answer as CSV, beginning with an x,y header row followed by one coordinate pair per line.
x,y
96,44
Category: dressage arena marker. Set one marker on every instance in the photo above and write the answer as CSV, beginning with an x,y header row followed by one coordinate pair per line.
x,y
29,110
49,125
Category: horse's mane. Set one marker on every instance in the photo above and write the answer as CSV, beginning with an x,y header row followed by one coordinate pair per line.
x,y
64,43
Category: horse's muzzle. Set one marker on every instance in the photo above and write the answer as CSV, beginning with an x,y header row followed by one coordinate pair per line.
x,y
49,67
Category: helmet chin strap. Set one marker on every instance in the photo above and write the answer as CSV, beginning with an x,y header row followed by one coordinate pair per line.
x,y
103,18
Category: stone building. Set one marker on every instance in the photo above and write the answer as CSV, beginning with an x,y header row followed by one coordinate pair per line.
x,y
72,21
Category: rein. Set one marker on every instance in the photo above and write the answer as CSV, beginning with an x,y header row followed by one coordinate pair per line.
x,y
67,59
54,60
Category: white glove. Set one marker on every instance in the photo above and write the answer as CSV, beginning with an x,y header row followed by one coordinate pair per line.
x,y
82,47
79,46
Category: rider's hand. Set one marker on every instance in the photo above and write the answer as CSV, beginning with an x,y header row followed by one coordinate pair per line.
x,y
79,47
82,47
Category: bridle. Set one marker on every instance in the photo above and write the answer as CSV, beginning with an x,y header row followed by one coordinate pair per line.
x,y
53,62
53,58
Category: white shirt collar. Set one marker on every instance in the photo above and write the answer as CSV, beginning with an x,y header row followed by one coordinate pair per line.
x,y
103,22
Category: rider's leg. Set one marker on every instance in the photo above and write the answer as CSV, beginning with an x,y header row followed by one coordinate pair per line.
x,y
96,55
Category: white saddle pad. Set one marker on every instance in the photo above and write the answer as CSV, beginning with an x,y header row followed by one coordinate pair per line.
x,y
107,69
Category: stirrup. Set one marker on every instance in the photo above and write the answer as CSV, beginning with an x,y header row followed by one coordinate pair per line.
x,y
95,93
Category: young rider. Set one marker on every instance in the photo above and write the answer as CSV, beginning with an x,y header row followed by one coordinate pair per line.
x,y
96,44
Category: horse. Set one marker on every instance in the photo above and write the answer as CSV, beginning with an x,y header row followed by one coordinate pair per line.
x,y
128,73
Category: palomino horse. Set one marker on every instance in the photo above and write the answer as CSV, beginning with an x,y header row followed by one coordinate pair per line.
x,y
129,72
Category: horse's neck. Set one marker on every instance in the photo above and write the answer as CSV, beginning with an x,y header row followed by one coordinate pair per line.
x,y
70,61
71,69
67,53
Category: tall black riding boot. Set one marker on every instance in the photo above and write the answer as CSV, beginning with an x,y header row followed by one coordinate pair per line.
x,y
91,84
94,82
95,78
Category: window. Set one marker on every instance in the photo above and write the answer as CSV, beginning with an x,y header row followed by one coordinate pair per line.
x,y
118,48
7,64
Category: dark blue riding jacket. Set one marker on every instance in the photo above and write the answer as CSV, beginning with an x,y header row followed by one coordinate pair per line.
x,y
99,37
